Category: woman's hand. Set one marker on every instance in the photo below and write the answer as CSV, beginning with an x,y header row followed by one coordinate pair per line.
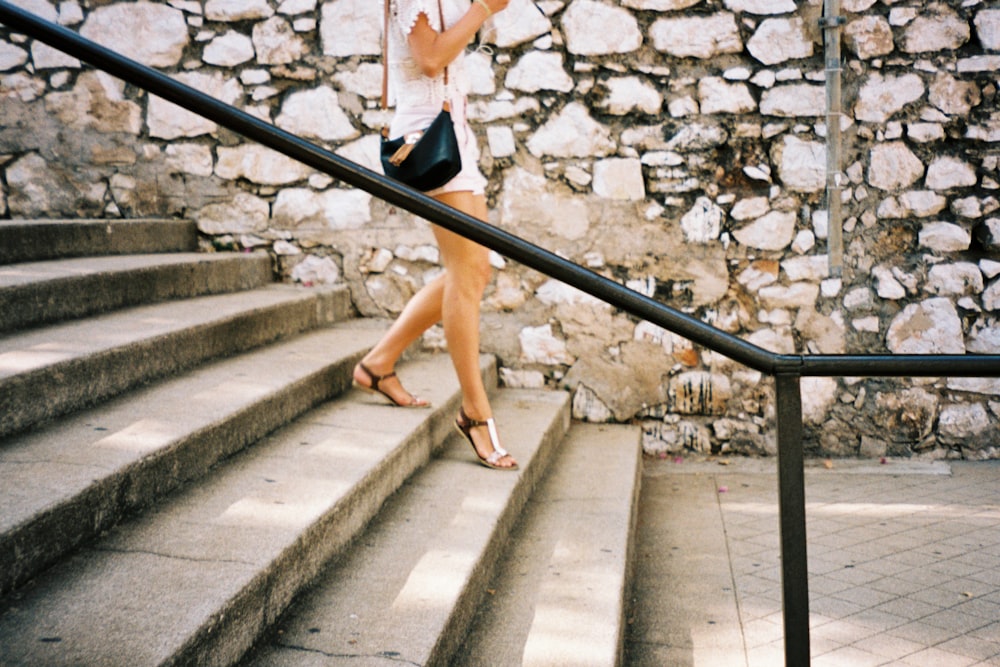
x,y
496,5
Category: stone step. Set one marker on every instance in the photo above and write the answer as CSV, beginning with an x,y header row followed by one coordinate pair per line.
x,y
36,293
407,590
37,240
561,590
52,371
198,579
82,474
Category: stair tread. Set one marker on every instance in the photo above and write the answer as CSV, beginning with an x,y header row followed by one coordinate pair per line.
x,y
37,293
26,351
51,371
27,273
235,547
560,591
84,471
413,579
102,441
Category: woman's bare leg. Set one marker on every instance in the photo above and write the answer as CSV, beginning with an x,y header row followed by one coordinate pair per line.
x,y
467,272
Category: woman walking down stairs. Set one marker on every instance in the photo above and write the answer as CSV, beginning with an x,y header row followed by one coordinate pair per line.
x,y
190,478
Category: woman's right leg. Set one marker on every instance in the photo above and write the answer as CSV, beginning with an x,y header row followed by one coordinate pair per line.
x,y
467,272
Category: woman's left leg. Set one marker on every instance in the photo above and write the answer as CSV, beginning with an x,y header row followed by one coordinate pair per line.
x,y
421,312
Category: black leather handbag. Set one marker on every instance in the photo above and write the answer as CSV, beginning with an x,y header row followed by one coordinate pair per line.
x,y
423,160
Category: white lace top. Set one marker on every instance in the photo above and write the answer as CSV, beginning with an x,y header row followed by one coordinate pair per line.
x,y
408,87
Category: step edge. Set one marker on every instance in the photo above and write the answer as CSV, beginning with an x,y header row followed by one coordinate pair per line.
x,y
32,238
231,625
233,274
578,485
312,310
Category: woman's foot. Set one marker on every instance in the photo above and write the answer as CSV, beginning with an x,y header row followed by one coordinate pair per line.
x,y
494,456
387,385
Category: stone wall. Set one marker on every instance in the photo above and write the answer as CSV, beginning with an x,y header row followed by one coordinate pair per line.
x,y
677,146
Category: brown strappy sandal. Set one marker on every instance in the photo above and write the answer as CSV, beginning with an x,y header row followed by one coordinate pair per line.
x,y
373,388
465,424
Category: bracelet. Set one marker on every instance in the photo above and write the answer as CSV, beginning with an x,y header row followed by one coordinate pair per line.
x,y
489,12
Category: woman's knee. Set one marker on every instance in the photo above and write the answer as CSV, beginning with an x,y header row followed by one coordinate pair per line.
x,y
472,276
483,271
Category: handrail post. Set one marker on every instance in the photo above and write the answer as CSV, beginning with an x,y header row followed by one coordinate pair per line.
x,y
792,514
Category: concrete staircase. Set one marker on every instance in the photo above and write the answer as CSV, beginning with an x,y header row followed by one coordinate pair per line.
x,y
187,478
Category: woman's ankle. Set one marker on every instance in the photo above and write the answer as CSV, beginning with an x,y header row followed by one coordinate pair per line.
x,y
477,413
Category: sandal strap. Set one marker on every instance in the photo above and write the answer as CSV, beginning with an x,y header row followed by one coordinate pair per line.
x,y
376,378
498,453
468,423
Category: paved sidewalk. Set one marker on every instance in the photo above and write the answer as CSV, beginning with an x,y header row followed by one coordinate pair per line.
x,y
904,565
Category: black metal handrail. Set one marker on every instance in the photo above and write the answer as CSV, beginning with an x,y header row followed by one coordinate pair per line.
x,y
787,369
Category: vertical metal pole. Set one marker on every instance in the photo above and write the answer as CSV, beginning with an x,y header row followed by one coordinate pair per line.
x,y
831,23
792,512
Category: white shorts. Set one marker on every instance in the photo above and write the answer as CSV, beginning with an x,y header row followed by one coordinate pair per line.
x,y
470,179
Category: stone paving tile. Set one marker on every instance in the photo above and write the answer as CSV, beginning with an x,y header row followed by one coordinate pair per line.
x,y
877,620
990,632
761,632
890,648
848,656
901,584
973,647
834,608
952,619
927,635
907,607
981,607
819,585
764,656
937,658
865,596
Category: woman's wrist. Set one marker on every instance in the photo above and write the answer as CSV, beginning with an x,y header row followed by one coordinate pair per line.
x,y
486,7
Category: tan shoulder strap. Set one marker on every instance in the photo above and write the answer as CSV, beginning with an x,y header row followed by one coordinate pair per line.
x,y
385,57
